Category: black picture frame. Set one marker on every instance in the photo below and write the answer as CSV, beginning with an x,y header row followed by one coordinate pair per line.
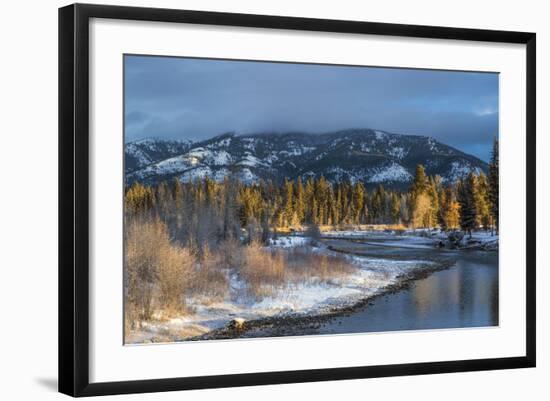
x,y
74,198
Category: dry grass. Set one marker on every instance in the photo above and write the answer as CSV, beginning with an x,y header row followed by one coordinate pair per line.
x,y
365,227
264,271
146,242
343,227
158,273
304,264
161,275
175,274
211,276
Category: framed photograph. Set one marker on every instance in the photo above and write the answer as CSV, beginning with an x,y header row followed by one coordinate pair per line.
x,y
250,199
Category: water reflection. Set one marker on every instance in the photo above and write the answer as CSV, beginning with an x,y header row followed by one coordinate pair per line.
x,y
465,295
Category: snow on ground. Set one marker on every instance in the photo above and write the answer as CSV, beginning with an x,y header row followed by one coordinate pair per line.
x,y
398,152
484,236
297,150
140,154
393,172
287,241
248,176
380,135
309,297
418,239
460,169
348,233
249,143
251,161
198,173
221,158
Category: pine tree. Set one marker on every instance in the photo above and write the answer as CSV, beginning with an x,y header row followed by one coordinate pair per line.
x,y
320,193
482,201
337,210
299,201
493,183
358,201
419,187
420,182
395,208
449,209
345,211
466,201
289,201
379,204
310,206
404,208
434,202
421,211
443,205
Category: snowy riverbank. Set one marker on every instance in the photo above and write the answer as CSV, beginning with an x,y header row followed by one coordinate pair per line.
x,y
369,277
420,238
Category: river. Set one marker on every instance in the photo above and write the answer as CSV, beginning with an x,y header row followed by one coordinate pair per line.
x,y
463,295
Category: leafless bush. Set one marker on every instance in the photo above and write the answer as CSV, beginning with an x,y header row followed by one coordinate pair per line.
x,y
144,240
210,278
303,264
231,252
262,270
267,270
175,275
157,272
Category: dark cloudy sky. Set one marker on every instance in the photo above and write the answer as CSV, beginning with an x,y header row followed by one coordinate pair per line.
x,y
177,98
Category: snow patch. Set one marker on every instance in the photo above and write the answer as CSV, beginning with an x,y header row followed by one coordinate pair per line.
x,y
459,170
247,176
398,152
394,172
251,161
287,241
380,135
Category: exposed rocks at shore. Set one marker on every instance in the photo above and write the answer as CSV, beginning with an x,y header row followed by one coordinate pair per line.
x,y
461,240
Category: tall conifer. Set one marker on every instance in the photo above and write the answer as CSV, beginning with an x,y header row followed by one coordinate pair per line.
x,y
466,200
493,183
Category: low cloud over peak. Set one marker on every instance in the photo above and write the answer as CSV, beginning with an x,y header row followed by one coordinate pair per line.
x,y
184,98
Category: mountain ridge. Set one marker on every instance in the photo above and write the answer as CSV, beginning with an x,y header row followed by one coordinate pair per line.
x,y
361,154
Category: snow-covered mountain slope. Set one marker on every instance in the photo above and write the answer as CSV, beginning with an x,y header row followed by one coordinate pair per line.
x,y
370,156
142,153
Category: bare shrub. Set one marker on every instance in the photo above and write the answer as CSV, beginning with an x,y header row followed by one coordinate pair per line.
x,y
144,241
175,273
305,265
265,271
210,278
157,272
231,252
262,270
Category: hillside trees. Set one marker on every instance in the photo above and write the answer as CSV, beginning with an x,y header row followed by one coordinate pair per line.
x,y
482,201
425,199
205,212
449,209
493,183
